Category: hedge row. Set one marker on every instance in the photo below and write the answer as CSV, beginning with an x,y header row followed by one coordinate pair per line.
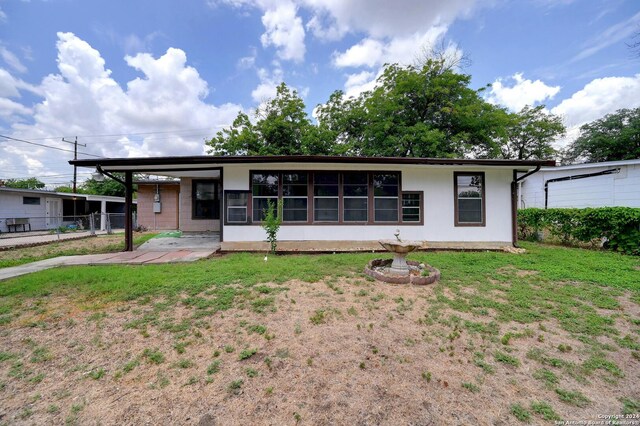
x,y
618,228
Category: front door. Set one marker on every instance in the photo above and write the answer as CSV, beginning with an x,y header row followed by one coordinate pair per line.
x,y
53,213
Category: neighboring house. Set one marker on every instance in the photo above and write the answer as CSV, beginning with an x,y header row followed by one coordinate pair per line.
x,y
608,184
48,210
347,201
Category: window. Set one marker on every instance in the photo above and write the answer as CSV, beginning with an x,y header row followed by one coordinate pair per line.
x,y
325,197
469,203
385,197
411,206
236,203
264,189
355,189
294,197
206,204
32,201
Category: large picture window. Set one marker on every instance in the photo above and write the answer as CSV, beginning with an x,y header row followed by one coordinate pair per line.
x,y
469,199
326,197
206,203
329,197
264,189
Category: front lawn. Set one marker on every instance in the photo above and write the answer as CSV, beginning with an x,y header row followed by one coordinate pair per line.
x,y
91,245
550,334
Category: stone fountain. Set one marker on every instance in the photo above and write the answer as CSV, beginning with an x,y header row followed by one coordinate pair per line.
x,y
399,270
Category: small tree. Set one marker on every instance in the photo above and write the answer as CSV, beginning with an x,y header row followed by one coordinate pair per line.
x,y
271,223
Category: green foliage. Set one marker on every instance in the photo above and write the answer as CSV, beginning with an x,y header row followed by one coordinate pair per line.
x,y
416,111
107,187
247,353
271,223
506,359
520,412
530,134
613,137
619,225
544,410
30,183
426,110
573,397
154,356
281,127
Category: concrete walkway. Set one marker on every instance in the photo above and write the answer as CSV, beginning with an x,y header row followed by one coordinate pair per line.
x,y
26,240
139,257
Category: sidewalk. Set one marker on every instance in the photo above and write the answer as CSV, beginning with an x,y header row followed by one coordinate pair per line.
x,y
121,258
27,240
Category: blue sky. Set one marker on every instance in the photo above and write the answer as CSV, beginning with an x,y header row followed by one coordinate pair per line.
x,y
160,76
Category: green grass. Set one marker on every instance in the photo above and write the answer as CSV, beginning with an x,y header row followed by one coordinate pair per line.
x,y
520,413
544,410
572,398
506,359
25,255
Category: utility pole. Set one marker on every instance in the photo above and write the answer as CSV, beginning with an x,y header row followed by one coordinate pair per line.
x,y
75,171
75,157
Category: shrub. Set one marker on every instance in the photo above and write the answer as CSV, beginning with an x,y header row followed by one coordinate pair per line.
x,y
271,223
618,227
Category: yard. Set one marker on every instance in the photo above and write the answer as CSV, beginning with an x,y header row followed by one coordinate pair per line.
x,y
550,334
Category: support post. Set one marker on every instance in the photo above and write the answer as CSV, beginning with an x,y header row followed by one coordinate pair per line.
x,y
103,215
128,211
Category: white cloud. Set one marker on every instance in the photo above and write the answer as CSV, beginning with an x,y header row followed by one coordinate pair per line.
x,y
332,19
614,34
359,82
12,60
284,31
371,52
269,81
521,93
247,62
599,97
83,99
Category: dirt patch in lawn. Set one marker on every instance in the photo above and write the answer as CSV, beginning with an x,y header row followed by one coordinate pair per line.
x,y
342,351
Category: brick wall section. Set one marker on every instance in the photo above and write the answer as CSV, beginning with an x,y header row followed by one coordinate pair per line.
x,y
188,224
169,197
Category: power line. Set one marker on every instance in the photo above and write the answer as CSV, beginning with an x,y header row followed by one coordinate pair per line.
x,y
134,134
49,146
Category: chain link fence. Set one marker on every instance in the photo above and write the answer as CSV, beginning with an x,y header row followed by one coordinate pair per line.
x,y
61,224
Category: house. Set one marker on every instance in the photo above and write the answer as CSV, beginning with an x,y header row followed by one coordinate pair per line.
x,y
334,202
42,210
607,184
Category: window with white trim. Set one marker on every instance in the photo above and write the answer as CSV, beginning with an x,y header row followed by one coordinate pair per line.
x,y
237,203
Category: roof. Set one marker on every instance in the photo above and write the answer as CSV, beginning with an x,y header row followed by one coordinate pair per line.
x,y
88,197
156,182
183,163
592,165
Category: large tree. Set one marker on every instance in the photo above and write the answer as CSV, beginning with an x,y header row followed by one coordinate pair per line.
x,y
529,134
106,187
614,137
30,183
416,111
281,127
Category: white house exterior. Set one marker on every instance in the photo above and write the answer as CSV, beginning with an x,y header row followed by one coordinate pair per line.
x,y
607,184
49,209
454,203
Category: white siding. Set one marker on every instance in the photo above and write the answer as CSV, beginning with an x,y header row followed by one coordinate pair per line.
x,y
435,181
618,189
11,206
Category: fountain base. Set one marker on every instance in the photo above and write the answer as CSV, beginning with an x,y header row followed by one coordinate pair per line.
x,y
416,273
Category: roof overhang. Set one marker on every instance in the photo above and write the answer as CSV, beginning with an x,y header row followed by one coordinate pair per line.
x,y
188,165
